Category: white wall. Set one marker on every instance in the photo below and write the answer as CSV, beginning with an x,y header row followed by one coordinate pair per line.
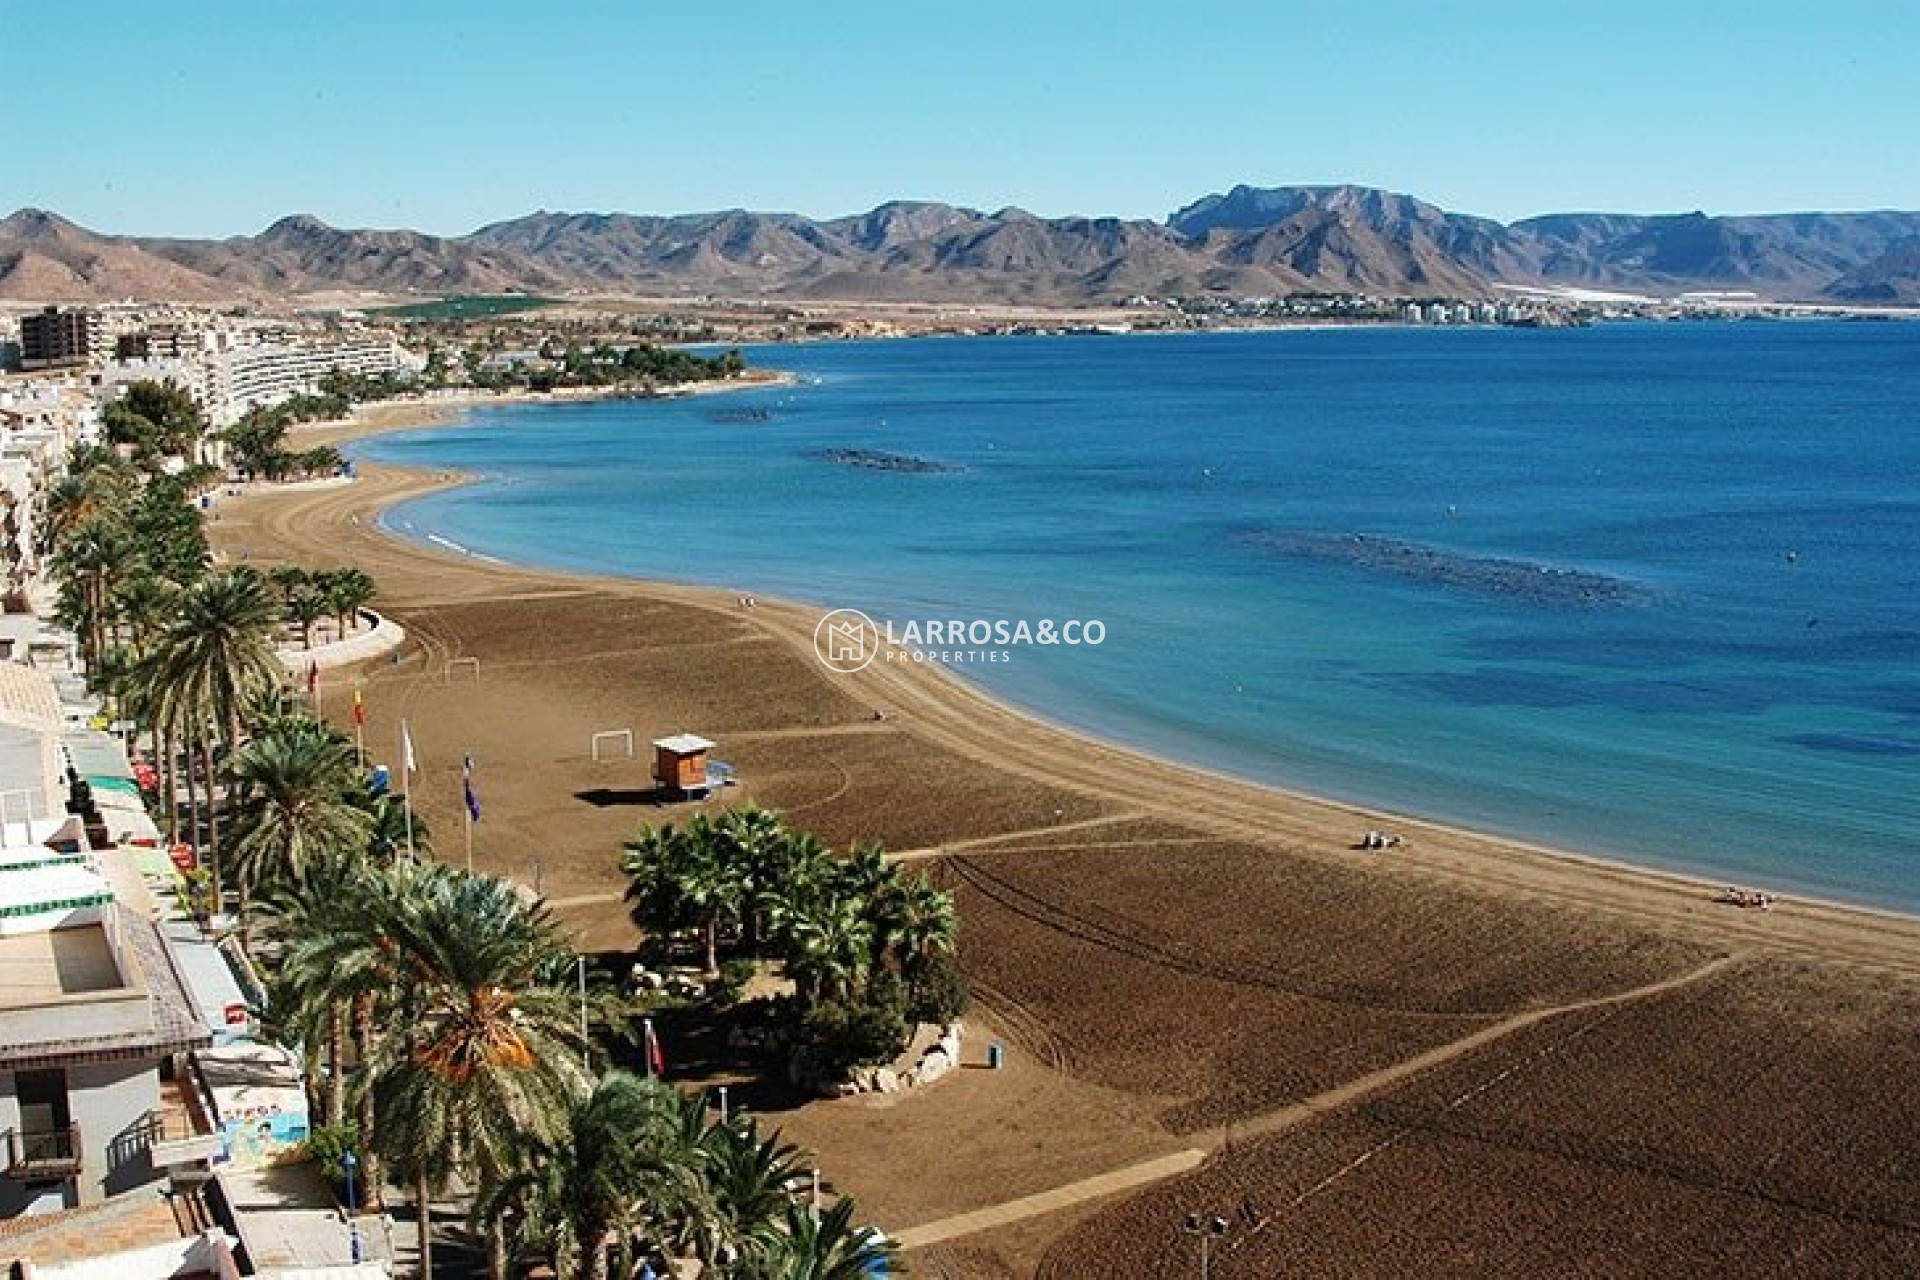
x,y
110,1102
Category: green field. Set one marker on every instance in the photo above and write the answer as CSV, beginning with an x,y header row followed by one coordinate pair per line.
x,y
471,307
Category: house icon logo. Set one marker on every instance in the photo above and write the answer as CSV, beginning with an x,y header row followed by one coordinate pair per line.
x,y
846,640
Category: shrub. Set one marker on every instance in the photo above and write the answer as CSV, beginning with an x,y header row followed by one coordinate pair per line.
x,y
936,993
325,1145
835,1038
734,977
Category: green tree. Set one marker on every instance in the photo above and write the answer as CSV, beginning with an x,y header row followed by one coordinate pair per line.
x,y
828,941
679,879
620,1167
256,439
293,785
304,608
485,1054
824,1245
215,656
347,591
175,416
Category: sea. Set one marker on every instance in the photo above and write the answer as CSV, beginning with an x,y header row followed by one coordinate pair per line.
x,y
1649,591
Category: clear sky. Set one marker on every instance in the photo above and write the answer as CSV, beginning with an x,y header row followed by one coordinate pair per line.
x,y
202,118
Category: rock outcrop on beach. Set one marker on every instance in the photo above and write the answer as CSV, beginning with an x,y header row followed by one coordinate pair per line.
x,y
1245,241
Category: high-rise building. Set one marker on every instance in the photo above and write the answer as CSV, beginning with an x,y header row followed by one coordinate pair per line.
x,y
54,338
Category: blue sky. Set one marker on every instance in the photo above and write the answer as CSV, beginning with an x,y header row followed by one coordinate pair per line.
x,y
196,118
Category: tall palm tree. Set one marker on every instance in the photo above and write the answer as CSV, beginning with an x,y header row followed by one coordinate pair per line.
x,y
828,941
914,923
347,591
750,1179
88,560
621,1166
756,841
310,1003
304,608
141,605
217,653
681,879
292,783
487,1054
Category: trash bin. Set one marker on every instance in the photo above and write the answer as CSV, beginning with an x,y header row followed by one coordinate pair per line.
x,y
381,780
996,1056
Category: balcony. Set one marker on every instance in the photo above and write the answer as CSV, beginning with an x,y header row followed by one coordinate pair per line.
x,y
35,1156
179,1131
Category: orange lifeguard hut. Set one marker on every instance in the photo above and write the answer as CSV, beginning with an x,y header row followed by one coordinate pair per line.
x,y
680,764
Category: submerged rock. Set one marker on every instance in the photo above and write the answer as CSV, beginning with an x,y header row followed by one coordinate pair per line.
x,y
879,460
1491,575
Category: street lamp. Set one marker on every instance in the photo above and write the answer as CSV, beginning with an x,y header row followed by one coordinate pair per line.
x,y
348,1163
1208,1230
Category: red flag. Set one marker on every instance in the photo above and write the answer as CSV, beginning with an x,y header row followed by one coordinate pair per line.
x,y
359,708
655,1059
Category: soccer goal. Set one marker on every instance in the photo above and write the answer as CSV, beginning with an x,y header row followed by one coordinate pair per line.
x,y
611,735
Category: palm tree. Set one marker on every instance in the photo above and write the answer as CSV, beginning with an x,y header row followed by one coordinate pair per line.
x,y
347,592
621,1166
755,840
678,879
828,941
304,608
813,1245
487,1054
309,1003
87,560
293,784
914,923
215,655
750,1180
96,484
142,604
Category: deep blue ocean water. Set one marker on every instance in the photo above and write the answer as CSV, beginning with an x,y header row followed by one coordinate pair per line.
x,y
1650,591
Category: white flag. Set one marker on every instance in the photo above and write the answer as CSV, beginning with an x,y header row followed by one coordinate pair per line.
x,y
407,761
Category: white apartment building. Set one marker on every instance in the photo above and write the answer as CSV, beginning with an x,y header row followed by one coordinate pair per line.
x,y
245,377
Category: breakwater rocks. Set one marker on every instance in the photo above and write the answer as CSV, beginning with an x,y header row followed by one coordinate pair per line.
x,y
877,460
1524,580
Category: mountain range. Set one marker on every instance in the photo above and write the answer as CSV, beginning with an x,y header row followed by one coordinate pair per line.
x,y
1246,242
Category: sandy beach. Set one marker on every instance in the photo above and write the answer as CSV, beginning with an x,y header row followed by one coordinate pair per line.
x,y
1214,1000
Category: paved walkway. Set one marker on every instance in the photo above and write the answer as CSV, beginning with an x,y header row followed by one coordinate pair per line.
x,y
1101,1184
385,635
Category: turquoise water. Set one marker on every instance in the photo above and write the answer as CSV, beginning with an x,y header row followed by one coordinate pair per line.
x,y
1648,591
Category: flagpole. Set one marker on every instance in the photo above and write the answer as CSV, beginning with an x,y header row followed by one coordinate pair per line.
x,y
469,807
586,1044
406,782
359,730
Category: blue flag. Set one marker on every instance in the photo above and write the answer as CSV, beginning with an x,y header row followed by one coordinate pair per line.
x,y
466,784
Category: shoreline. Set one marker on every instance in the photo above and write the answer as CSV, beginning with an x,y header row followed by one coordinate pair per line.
x,y
961,716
